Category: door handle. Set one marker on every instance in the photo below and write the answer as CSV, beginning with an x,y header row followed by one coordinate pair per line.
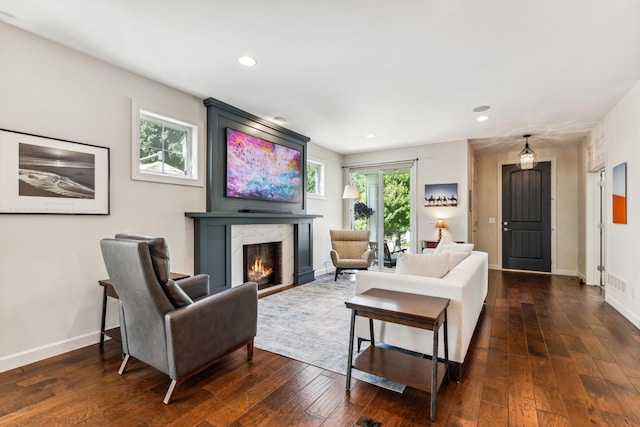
x,y
506,229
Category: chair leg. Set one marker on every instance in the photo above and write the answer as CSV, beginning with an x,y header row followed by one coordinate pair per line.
x,y
250,350
172,387
335,279
123,365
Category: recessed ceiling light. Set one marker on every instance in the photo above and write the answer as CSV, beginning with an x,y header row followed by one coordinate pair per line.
x,y
370,136
481,108
482,118
279,119
247,61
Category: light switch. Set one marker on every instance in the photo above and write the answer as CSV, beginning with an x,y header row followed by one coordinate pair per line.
x,y
492,220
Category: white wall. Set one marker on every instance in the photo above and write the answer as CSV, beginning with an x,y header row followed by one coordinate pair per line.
x,y
50,300
441,163
621,129
330,206
564,193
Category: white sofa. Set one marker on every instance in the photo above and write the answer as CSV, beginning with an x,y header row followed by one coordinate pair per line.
x,y
465,285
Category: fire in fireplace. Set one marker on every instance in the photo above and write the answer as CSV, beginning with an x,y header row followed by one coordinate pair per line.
x,y
262,264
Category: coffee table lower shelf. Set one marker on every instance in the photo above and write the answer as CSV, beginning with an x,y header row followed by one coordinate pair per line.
x,y
413,371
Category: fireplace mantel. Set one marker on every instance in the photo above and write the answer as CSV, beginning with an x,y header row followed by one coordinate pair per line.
x,y
212,243
252,217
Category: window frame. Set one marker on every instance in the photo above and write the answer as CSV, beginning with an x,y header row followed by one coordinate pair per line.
x,y
321,178
193,149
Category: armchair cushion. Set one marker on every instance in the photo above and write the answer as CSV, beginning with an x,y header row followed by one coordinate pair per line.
x,y
196,287
159,253
176,294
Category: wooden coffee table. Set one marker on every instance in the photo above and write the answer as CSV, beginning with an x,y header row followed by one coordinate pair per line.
x,y
419,311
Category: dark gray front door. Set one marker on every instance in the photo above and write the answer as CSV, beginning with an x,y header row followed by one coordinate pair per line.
x,y
526,217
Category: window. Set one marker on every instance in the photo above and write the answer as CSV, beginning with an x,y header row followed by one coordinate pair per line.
x,y
164,150
315,179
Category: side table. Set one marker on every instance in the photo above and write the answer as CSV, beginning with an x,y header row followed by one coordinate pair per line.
x,y
108,291
419,311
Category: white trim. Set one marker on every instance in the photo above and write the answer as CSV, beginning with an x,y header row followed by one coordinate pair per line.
x,y
592,232
37,354
622,309
196,150
553,210
322,168
572,273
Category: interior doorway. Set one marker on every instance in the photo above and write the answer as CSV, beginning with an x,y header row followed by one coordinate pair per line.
x,y
595,228
526,217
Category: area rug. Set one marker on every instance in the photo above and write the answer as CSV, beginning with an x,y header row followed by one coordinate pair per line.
x,y
310,323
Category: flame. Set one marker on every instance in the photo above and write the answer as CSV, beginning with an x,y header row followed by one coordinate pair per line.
x,y
258,271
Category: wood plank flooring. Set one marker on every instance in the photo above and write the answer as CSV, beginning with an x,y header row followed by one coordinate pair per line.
x,y
547,352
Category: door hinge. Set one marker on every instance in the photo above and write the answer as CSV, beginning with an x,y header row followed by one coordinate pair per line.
x,y
600,268
601,226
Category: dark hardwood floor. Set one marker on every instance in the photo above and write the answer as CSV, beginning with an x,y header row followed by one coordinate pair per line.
x,y
547,352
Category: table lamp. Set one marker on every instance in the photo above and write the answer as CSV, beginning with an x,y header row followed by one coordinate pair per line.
x,y
440,225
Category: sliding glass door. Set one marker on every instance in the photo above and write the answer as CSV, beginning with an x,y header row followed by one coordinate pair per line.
x,y
384,208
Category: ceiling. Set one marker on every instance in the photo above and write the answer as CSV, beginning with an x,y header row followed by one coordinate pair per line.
x,y
408,72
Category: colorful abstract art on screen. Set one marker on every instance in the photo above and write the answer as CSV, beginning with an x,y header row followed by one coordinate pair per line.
x,y
261,170
619,201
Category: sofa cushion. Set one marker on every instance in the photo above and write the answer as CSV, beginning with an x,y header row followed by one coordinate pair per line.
x,y
449,246
456,258
428,265
176,294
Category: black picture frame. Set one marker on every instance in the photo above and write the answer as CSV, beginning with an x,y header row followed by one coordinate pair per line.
x,y
43,175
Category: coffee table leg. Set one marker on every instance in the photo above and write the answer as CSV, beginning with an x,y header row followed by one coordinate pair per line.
x,y
434,371
373,343
350,358
446,344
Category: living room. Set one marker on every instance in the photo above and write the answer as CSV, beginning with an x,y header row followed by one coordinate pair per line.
x,y
51,263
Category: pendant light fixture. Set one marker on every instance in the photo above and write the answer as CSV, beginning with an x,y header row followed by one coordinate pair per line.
x,y
527,158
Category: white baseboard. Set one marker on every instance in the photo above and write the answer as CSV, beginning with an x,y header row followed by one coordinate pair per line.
x,y
622,309
326,270
494,267
572,273
26,357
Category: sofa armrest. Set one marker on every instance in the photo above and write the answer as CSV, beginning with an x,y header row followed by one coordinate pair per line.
x,y
195,286
207,329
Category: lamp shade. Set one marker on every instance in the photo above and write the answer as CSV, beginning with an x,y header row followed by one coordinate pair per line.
x,y
351,192
527,158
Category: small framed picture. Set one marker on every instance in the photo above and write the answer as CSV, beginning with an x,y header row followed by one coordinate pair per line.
x,y
441,195
43,175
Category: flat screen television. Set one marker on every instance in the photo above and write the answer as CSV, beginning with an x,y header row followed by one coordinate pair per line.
x,y
262,170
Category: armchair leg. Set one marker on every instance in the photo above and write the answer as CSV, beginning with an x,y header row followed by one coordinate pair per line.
x,y
123,365
250,350
172,387
335,279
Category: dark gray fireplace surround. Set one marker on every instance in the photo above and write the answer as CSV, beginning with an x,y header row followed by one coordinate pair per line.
x,y
212,229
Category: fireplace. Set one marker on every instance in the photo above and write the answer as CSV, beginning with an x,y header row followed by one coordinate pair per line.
x,y
262,263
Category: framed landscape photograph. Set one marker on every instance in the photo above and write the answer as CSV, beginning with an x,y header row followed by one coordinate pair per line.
x,y
53,176
441,195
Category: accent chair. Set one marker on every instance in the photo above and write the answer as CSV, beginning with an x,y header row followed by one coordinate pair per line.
x,y
350,250
175,327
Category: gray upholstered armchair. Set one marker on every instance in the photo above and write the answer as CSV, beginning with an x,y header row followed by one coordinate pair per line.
x,y
350,250
176,327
